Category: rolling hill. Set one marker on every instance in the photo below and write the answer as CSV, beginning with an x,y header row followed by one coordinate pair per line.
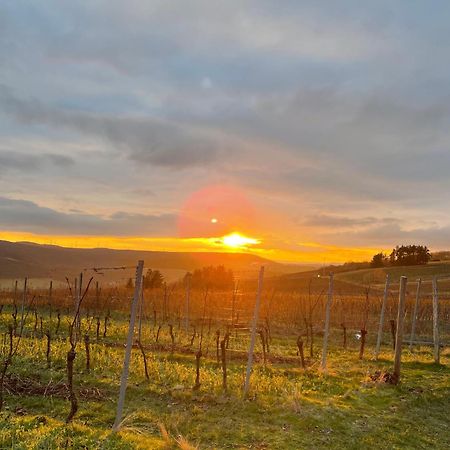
x,y
359,279
23,259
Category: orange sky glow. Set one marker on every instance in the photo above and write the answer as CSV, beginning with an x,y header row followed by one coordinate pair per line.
x,y
316,252
216,218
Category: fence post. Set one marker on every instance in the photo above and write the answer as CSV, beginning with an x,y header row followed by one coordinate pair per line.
x,y
97,298
24,299
15,293
78,293
187,300
141,311
253,335
326,331
399,333
233,302
383,309
414,317
126,363
50,291
436,342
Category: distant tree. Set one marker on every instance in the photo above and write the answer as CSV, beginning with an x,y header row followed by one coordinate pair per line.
x,y
129,284
409,255
153,279
379,260
213,276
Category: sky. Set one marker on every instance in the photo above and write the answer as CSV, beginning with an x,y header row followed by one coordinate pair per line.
x,y
320,130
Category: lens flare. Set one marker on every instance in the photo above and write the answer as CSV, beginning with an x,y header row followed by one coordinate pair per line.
x,y
215,211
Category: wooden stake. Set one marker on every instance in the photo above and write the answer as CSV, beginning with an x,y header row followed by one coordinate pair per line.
x,y
97,298
399,333
223,351
414,316
24,299
233,302
326,330
187,300
48,349
344,330
15,293
253,335
383,309
50,291
80,294
393,332
436,321
165,303
126,363
141,311
300,351
88,352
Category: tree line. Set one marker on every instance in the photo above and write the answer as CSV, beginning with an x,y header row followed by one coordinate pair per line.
x,y
214,277
403,255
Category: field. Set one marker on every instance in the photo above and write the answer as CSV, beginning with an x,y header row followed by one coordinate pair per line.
x,y
288,406
376,277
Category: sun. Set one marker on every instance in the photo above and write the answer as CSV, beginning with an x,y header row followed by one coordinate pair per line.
x,y
236,240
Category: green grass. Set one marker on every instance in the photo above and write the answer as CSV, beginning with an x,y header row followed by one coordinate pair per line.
x,y
287,407
378,276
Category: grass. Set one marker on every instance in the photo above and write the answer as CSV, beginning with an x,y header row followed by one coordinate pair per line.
x,y
377,277
287,406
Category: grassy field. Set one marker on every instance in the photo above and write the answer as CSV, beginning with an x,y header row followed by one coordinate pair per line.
x,y
288,407
377,277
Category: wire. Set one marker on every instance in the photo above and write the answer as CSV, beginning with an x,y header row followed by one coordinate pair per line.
x,y
97,269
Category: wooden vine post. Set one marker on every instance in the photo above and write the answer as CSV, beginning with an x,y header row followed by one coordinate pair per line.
x,y
24,300
186,302
50,291
383,309
79,293
436,342
326,331
223,351
126,363
399,333
253,333
141,310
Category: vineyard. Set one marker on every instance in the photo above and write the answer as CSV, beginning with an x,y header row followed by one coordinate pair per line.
x,y
320,371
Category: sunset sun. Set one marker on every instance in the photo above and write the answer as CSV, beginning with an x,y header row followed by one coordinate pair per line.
x,y
236,240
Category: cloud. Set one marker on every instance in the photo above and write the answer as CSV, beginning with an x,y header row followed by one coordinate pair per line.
x,y
145,139
60,160
162,33
21,161
362,130
392,234
30,162
329,221
22,215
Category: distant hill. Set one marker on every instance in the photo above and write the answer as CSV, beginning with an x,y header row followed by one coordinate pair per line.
x,y
357,279
441,256
378,276
310,282
23,259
